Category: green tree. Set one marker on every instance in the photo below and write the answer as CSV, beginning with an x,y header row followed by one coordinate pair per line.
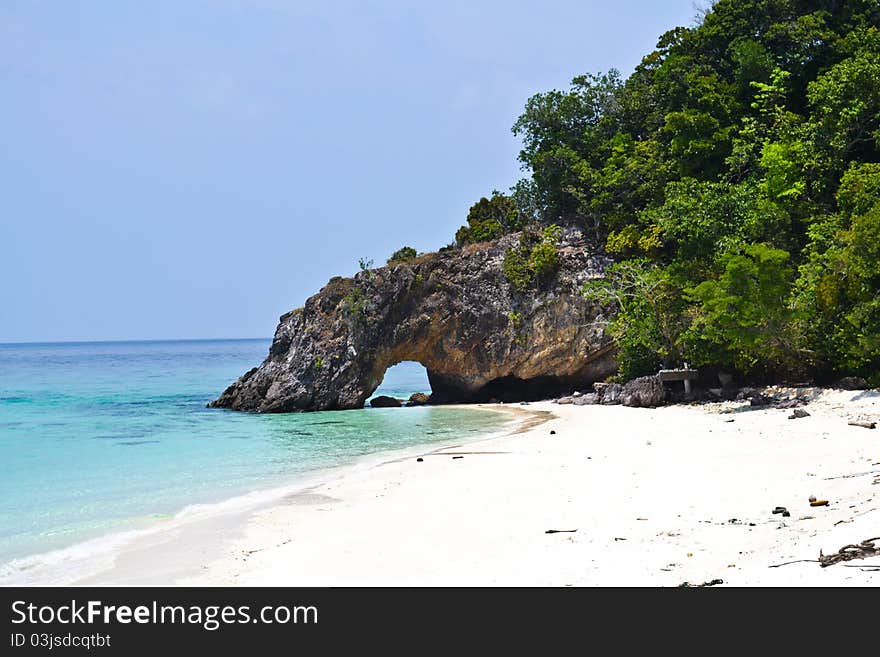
x,y
490,218
744,316
648,314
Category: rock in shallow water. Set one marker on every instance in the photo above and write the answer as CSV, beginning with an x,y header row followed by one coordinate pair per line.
x,y
383,401
418,399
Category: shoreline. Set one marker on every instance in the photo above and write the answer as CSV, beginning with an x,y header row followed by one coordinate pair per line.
x,y
615,497
198,531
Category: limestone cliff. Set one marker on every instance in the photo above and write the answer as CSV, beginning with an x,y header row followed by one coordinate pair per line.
x,y
456,314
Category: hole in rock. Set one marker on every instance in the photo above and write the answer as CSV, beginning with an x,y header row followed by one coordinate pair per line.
x,y
402,380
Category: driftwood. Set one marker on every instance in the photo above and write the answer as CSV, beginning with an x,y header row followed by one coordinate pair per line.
x,y
862,423
560,531
849,552
688,585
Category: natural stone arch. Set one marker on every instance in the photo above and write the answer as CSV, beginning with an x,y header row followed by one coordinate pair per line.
x,y
454,313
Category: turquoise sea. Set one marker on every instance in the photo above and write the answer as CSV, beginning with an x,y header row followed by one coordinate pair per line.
x,y
96,438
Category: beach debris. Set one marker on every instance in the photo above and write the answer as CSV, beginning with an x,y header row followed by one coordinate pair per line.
x,y
419,460
849,552
730,419
853,474
688,585
791,403
560,531
619,538
781,509
798,413
457,457
819,503
552,432
862,423
812,498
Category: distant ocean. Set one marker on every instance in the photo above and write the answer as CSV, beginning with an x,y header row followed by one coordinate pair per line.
x,y
97,438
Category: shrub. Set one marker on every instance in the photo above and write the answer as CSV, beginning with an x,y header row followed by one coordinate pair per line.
x,y
403,254
534,259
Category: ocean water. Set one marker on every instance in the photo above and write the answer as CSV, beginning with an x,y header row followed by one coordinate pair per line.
x,y
97,438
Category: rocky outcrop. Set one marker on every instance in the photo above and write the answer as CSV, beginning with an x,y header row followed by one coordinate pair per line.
x,y
455,313
643,392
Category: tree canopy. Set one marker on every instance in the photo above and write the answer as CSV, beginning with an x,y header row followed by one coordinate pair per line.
x,y
736,172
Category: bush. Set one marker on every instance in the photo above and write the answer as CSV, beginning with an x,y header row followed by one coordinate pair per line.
x,y
534,259
490,218
403,254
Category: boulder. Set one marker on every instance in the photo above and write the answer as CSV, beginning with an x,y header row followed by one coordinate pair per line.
x,y
565,400
418,399
852,383
609,393
384,401
587,399
643,392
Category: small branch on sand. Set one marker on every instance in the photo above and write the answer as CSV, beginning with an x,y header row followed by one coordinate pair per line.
x,y
862,423
854,474
848,552
248,553
787,563
560,531
867,567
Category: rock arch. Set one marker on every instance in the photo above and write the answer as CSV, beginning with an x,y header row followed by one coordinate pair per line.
x,y
455,313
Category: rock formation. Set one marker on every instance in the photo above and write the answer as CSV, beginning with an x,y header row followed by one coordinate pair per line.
x,y
452,311
643,392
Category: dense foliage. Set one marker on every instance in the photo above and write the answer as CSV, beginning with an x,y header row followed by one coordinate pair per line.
x,y
735,179
490,218
403,254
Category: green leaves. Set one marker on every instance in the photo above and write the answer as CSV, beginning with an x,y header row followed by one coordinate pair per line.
x,y
534,259
403,254
743,315
846,105
489,219
735,176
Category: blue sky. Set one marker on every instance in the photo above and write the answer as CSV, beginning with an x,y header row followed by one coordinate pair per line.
x,y
193,169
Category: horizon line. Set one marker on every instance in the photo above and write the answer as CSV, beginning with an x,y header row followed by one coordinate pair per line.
x,y
118,341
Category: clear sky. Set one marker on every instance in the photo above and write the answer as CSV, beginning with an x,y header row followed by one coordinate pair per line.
x,y
195,168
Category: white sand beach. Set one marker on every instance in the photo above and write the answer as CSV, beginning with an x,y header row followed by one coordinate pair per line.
x,y
657,497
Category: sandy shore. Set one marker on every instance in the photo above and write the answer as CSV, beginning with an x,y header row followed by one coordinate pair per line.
x,y
657,497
